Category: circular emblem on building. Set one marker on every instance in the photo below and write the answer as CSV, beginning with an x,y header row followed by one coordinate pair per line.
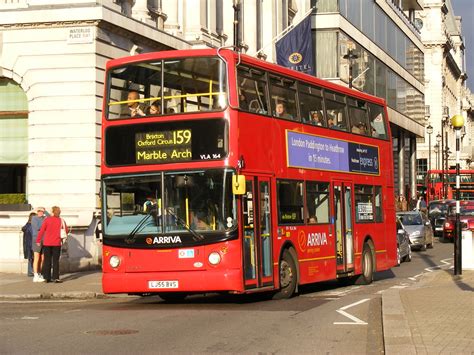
x,y
149,241
302,240
295,58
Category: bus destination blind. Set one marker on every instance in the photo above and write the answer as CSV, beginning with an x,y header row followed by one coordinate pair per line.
x,y
163,147
314,152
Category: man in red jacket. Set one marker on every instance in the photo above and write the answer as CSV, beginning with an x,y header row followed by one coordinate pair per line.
x,y
50,232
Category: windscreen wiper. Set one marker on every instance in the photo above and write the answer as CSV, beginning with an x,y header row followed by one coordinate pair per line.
x,y
140,225
196,236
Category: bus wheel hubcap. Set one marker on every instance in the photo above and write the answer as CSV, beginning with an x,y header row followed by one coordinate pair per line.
x,y
286,274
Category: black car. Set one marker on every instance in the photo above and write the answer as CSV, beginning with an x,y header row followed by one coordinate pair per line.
x,y
403,244
437,211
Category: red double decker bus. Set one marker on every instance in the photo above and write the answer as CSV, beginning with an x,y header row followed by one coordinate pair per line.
x,y
224,173
441,184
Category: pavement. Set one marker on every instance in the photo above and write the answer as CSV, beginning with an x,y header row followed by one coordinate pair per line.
x,y
433,315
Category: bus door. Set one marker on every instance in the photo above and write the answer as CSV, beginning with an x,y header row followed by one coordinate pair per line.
x,y
343,224
257,241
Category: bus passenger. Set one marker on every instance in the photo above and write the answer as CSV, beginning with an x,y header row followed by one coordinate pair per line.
x,y
332,123
359,128
154,108
280,111
312,220
316,118
136,109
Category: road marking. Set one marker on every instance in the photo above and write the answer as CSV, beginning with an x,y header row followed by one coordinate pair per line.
x,y
445,263
342,292
28,317
356,321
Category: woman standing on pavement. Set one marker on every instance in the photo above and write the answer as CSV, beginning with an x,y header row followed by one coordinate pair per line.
x,y
36,223
28,243
51,233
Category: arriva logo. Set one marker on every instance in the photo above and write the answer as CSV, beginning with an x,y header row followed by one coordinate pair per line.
x,y
167,240
316,239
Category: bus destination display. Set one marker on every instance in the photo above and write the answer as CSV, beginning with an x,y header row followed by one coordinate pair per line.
x,y
163,147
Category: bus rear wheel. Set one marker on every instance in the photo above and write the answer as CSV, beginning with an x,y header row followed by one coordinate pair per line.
x,y
367,275
288,277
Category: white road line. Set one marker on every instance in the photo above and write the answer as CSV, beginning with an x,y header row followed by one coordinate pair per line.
x,y
29,318
342,292
444,263
356,321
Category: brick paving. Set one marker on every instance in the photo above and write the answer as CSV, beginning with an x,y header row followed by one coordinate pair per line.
x,y
434,316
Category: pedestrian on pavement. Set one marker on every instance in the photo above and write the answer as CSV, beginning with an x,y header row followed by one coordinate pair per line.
x,y
421,204
36,223
50,233
402,204
28,243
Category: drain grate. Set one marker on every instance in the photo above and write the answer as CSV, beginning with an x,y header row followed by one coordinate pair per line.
x,y
103,332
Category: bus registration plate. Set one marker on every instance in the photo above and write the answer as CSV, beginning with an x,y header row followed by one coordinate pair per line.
x,y
163,284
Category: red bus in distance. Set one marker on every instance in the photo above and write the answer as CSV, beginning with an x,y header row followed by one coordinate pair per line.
x,y
436,179
224,173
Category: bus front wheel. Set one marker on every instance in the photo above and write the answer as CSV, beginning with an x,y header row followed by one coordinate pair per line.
x,y
288,277
367,275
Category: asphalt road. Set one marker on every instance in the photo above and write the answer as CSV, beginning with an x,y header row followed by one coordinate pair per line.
x,y
324,318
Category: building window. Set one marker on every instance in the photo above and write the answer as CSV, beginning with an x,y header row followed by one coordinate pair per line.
x,y
326,54
325,5
421,170
376,25
13,137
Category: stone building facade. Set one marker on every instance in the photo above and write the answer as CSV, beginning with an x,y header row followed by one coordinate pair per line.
x,y
446,93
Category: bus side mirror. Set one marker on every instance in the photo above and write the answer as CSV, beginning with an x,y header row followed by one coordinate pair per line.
x,y
238,184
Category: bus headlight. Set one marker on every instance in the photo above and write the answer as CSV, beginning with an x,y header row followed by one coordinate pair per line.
x,y
114,261
214,258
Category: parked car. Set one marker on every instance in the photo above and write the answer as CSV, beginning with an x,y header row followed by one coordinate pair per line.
x,y
403,244
466,216
419,229
437,211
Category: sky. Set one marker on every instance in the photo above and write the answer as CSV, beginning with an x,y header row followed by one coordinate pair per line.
x,y
465,9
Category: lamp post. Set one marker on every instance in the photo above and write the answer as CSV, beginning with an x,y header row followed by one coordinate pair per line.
x,y
429,131
350,56
458,122
436,150
438,140
236,6
443,120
